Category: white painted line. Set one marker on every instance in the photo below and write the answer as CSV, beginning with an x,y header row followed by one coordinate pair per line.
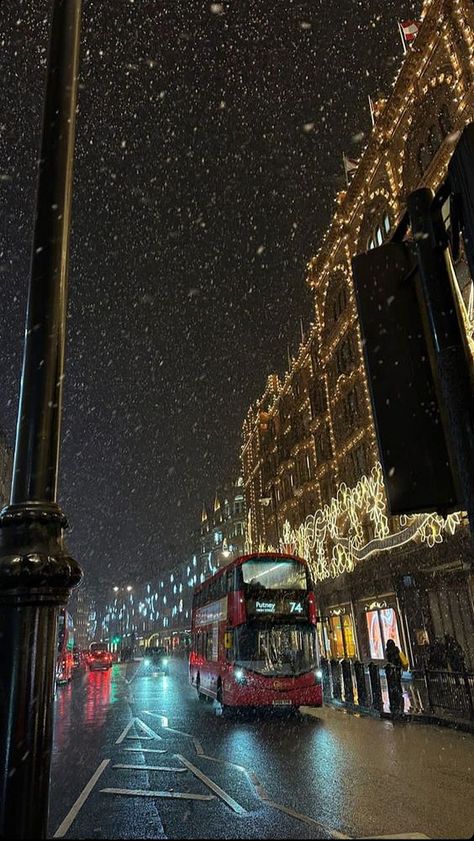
x,y
178,795
408,835
224,762
142,738
145,750
198,746
147,729
330,833
257,785
71,815
148,767
139,724
236,807
164,723
124,732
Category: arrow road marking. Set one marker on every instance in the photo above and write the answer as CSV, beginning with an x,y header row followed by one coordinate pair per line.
x,y
139,724
164,723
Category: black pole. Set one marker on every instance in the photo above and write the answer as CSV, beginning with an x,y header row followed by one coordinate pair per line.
x,y
36,570
449,357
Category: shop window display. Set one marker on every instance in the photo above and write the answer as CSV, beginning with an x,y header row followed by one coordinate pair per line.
x,y
382,625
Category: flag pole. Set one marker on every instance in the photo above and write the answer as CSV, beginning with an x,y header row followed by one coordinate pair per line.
x,y
372,116
402,37
345,170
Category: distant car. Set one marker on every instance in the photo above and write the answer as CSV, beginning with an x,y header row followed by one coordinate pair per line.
x,y
99,659
156,660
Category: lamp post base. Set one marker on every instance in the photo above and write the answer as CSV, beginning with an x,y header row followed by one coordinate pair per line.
x,y
36,578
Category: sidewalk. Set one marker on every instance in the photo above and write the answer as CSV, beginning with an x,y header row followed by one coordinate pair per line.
x,y
417,708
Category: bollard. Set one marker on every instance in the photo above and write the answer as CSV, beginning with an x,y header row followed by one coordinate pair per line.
x,y
347,680
336,680
326,677
362,696
375,687
395,691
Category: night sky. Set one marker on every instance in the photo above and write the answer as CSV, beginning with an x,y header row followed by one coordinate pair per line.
x,y
209,151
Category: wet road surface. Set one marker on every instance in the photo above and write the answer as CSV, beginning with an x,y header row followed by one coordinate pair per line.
x,y
138,756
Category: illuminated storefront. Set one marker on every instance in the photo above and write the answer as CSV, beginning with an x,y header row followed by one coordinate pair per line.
x,y
382,624
337,633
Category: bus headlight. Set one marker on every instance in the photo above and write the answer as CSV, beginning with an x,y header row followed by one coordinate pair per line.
x,y
164,661
318,673
146,661
239,676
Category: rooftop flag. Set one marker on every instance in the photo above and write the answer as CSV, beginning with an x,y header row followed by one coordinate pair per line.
x,y
350,165
408,32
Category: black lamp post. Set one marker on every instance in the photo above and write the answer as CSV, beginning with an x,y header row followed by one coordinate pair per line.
x,y
36,570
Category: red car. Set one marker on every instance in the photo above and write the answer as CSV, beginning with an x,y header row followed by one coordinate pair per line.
x,y
99,659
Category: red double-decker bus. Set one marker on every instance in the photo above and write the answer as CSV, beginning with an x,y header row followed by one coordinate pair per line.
x,y
254,639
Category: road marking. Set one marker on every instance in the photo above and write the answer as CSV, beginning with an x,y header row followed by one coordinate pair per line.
x,y
165,723
140,725
147,729
257,785
178,795
331,833
147,767
236,807
146,750
71,815
124,732
224,762
198,746
408,835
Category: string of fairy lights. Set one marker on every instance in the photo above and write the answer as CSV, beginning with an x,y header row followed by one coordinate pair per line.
x,y
354,524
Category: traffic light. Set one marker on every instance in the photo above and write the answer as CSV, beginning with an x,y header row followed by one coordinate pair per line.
x,y
115,640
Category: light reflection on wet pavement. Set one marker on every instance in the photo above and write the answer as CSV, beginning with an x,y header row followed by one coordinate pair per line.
x,y
277,776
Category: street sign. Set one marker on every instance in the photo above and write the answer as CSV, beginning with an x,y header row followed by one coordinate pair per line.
x,y
410,436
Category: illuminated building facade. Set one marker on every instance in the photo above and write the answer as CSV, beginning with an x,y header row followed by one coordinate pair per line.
x,y
309,455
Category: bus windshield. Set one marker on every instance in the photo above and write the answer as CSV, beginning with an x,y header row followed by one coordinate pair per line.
x,y
276,649
274,574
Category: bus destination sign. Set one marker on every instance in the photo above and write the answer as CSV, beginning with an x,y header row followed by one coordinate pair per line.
x,y
276,605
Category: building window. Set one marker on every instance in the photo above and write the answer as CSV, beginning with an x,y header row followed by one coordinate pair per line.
x,y
387,224
379,235
382,625
444,120
341,636
344,356
351,406
359,461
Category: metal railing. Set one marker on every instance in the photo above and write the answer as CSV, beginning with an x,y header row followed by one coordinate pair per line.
x,y
387,689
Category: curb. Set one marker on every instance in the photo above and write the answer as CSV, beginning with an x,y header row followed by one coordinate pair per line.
x,y
408,718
